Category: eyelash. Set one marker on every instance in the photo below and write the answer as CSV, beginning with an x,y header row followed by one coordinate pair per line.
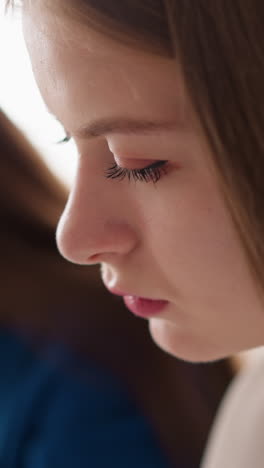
x,y
150,173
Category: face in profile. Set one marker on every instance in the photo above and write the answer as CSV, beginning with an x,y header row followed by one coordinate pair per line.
x,y
145,203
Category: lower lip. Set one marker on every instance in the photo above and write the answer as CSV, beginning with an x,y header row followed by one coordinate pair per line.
x,y
145,308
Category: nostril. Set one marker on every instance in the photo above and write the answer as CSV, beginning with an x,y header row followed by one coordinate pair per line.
x,y
102,257
94,258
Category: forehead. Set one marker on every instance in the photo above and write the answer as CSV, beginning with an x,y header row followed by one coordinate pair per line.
x,y
80,67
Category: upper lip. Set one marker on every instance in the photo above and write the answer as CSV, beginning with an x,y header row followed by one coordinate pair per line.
x,y
124,292
111,285
118,292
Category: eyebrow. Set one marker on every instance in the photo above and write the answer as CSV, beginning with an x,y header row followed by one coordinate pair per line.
x,y
123,125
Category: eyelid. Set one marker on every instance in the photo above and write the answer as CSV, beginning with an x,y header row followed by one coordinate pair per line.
x,y
134,164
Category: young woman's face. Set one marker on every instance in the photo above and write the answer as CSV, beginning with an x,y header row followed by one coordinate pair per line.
x,y
165,234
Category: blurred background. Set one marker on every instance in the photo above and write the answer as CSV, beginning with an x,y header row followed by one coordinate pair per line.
x,y
20,99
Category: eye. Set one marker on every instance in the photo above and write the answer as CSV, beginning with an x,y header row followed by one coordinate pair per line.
x,y
150,173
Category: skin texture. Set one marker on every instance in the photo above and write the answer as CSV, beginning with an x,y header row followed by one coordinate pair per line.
x,y
173,240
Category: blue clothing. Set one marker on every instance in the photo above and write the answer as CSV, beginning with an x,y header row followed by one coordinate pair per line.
x,y
56,412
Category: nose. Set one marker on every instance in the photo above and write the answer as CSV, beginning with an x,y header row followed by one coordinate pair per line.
x,y
94,226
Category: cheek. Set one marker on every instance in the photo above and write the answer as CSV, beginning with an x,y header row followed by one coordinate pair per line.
x,y
192,238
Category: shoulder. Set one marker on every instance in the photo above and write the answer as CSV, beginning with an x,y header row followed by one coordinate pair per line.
x,y
236,440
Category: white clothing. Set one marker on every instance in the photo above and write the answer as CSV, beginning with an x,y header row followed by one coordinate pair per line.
x,y
237,437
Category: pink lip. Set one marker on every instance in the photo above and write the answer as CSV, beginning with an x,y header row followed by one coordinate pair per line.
x,y
144,307
140,306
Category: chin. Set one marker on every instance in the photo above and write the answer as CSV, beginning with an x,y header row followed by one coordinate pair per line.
x,y
183,345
